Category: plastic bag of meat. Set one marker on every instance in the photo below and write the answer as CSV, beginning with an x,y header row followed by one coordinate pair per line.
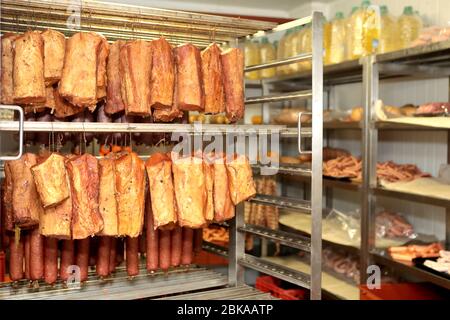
x,y
240,178
393,225
190,190
51,180
159,172
130,188
84,185
28,74
27,207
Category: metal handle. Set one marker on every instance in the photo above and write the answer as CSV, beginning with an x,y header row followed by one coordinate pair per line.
x,y
21,118
300,133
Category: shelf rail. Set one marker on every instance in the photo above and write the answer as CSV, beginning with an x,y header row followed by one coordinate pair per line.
x,y
312,281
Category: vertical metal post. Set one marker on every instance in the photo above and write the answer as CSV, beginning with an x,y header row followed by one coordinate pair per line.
x,y
447,213
265,111
369,159
317,144
236,248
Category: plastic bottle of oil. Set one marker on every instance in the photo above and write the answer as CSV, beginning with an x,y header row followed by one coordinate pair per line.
x,y
371,30
295,48
337,46
409,26
283,51
327,41
349,34
268,53
388,40
252,57
306,46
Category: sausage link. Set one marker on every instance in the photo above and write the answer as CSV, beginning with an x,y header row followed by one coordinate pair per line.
x,y
198,240
104,251
188,242
132,256
82,258
175,251
164,249
67,258
142,242
119,251
152,242
112,255
15,259
93,250
27,239
36,255
50,260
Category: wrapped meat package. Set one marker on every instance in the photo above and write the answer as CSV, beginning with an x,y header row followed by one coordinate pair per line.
x,y
84,186
190,191
130,188
159,172
107,197
189,78
28,73
101,68
163,75
223,205
212,80
25,200
7,66
233,83
114,102
78,83
51,180
240,179
135,70
54,50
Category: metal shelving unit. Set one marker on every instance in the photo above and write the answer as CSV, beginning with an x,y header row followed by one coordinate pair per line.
x,y
129,22
430,61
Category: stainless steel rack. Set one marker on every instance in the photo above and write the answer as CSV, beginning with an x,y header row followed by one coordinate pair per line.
x,y
129,22
431,61
314,206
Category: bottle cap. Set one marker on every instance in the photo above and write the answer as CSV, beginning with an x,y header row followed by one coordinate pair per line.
x,y
384,10
408,10
264,40
339,15
365,4
354,9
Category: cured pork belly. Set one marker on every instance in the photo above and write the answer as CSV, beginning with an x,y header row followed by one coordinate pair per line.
x,y
28,73
78,83
159,172
162,80
84,185
212,80
135,71
233,83
189,78
114,102
54,50
7,67
130,194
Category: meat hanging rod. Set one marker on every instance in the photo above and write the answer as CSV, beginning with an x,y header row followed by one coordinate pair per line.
x,y
132,21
